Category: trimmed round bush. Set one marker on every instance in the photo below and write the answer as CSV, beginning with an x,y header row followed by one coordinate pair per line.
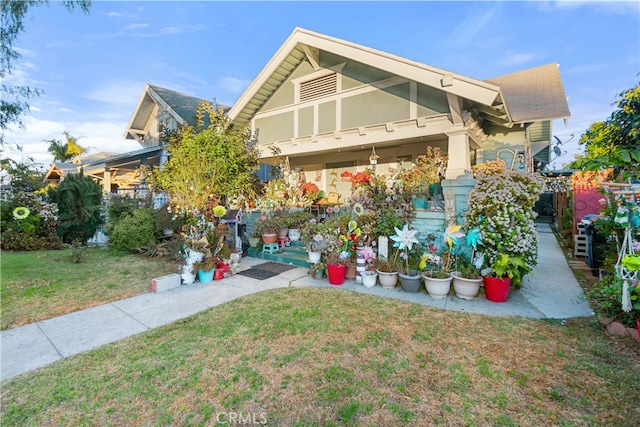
x,y
133,231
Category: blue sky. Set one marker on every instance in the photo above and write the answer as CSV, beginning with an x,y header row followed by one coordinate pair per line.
x,y
93,68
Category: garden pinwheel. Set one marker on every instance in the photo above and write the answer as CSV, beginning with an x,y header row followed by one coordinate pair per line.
x,y
451,235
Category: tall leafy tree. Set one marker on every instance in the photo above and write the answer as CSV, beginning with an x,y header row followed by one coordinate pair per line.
x,y
79,200
208,162
615,142
13,99
26,176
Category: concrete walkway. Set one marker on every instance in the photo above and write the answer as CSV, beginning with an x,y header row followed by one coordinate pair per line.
x,y
551,291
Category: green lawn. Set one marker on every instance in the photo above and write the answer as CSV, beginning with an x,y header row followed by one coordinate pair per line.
x,y
42,284
323,357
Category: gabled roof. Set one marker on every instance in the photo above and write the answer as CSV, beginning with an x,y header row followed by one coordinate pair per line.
x,y
304,44
180,106
59,169
534,94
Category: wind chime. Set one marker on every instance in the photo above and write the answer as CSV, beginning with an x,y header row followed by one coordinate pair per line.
x,y
628,263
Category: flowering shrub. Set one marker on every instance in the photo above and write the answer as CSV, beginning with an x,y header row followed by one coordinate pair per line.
x,y
501,206
28,223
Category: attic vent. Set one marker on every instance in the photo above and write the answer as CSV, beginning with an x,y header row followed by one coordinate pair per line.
x,y
319,87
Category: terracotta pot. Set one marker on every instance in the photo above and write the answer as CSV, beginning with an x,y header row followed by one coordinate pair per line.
x,y
351,271
336,273
270,238
496,289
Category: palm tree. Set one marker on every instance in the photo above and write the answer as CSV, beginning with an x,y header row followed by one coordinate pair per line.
x,y
65,152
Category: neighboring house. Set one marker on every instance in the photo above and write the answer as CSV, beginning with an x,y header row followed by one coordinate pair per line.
x,y
158,109
327,103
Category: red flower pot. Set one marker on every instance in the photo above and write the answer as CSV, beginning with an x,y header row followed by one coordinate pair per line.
x,y
496,289
218,274
336,273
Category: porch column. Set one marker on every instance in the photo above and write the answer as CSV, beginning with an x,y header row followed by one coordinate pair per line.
x,y
106,181
459,157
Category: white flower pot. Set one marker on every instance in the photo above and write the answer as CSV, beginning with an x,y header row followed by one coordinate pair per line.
x,y
437,288
294,234
465,288
388,280
314,257
369,278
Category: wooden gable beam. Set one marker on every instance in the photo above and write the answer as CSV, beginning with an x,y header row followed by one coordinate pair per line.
x,y
313,55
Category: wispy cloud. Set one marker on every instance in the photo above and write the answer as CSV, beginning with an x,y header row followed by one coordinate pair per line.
x,y
521,58
117,95
233,85
618,7
476,20
136,26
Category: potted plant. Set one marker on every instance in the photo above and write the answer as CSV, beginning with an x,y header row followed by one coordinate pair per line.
x,y
501,206
500,276
405,239
467,276
437,263
369,275
437,280
387,270
315,238
427,172
336,267
205,269
318,270
295,221
271,227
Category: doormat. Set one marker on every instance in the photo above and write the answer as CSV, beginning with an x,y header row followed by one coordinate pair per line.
x,y
266,270
275,267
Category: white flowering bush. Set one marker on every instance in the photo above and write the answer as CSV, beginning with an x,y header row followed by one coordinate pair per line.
x,y
501,206
28,223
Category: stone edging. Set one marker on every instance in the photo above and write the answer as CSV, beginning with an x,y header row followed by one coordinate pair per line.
x,y
617,328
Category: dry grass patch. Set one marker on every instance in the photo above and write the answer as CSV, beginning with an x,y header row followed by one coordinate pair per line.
x,y
39,285
317,357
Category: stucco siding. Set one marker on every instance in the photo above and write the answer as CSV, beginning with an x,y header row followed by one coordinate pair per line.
x,y
431,101
284,95
503,138
377,107
355,74
327,117
305,121
275,128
